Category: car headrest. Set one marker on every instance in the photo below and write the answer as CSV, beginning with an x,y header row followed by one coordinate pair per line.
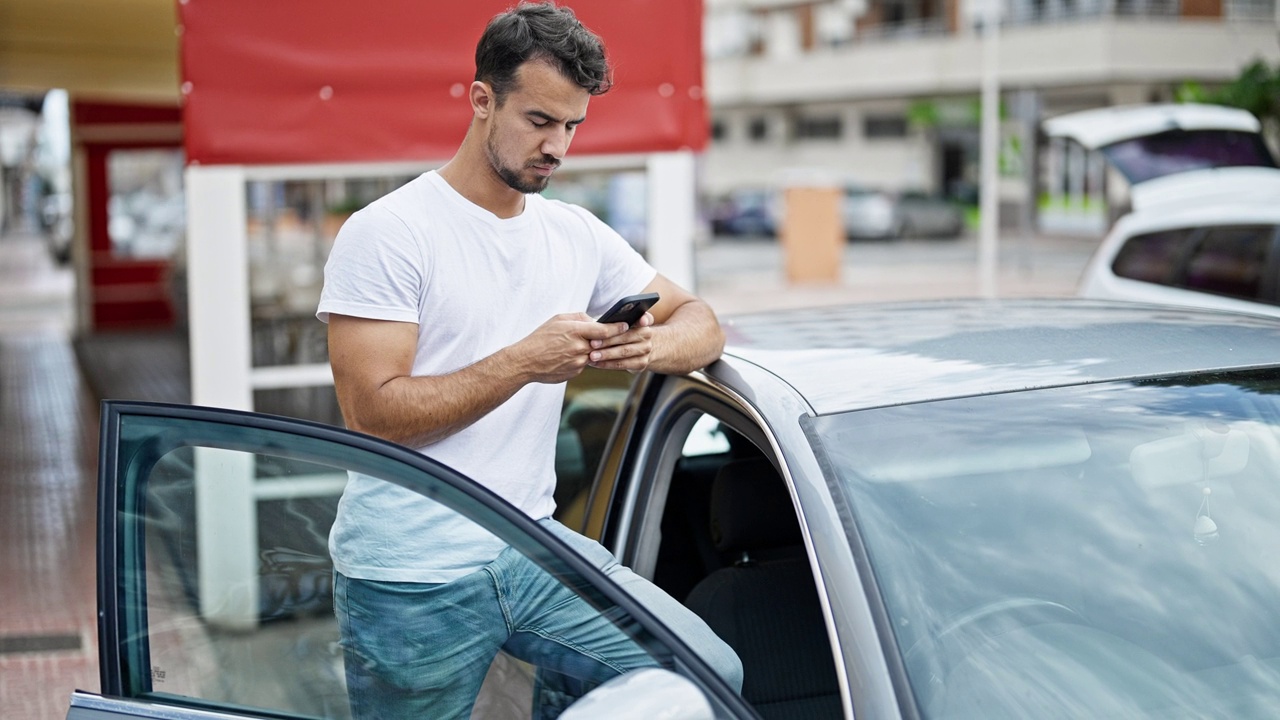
x,y
751,508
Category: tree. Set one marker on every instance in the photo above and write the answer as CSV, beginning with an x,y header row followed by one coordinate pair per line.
x,y
1256,89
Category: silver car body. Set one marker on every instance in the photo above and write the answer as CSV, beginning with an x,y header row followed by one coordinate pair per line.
x,y
784,367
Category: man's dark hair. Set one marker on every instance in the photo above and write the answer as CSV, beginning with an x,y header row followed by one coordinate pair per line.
x,y
541,31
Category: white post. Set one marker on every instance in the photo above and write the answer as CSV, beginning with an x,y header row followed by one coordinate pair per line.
x,y
988,250
218,298
672,216
218,287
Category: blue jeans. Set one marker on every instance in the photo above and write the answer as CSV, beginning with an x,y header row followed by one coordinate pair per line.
x,y
422,650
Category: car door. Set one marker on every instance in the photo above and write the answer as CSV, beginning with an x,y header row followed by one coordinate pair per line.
x,y
215,584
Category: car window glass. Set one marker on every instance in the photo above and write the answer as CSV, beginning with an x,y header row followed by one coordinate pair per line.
x,y
1109,545
1151,257
592,402
1229,261
1177,151
225,582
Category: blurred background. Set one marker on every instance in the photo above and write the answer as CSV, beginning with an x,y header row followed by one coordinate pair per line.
x,y
163,226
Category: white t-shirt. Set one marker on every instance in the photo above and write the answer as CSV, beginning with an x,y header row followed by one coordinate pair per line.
x,y
474,284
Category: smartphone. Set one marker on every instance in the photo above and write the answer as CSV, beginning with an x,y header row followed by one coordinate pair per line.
x,y
630,308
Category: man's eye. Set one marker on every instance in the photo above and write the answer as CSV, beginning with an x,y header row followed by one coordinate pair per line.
x,y
539,123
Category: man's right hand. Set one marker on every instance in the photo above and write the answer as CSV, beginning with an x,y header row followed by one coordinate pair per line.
x,y
560,348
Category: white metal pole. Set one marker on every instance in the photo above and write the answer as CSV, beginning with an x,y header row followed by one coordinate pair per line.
x,y
218,298
989,205
672,215
218,287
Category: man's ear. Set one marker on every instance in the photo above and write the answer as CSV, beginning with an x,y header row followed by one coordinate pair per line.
x,y
483,100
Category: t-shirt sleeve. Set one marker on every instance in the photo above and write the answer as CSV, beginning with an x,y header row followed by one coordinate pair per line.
x,y
375,270
623,271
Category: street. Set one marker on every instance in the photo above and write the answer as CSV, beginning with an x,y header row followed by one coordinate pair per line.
x,y
740,274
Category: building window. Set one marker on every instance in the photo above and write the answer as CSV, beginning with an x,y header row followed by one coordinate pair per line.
x,y
758,129
719,130
884,126
820,127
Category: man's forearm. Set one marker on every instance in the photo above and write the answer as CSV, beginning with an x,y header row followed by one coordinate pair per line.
x,y
689,340
417,411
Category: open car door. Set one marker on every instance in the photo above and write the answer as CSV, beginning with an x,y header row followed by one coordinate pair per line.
x,y
215,583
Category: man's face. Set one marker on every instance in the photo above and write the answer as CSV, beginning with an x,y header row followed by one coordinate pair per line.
x,y
530,130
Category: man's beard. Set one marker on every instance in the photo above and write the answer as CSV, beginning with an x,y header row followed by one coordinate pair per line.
x,y
512,178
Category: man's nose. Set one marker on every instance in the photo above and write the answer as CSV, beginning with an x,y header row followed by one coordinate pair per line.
x,y
556,144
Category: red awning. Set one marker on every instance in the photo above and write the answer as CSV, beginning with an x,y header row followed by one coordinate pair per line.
x,y
303,81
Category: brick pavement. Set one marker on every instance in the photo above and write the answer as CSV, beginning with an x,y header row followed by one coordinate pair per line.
x,y
48,632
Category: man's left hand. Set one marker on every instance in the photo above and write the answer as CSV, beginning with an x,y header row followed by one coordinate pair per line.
x,y
628,350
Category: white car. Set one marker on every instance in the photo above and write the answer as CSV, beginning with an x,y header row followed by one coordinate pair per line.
x,y
1205,219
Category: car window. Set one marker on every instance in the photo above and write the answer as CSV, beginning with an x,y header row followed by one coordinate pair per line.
x,y
1103,549
1229,261
1176,151
218,583
1152,257
592,402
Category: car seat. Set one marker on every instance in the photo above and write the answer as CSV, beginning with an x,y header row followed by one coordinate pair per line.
x,y
764,603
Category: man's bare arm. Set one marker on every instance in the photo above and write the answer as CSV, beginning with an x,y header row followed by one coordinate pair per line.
x,y
680,335
372,362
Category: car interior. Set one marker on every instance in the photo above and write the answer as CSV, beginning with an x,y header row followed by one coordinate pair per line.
x,y
732,550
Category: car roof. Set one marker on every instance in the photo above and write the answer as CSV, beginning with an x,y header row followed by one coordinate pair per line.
x,y
853,357
1210,187
1105,126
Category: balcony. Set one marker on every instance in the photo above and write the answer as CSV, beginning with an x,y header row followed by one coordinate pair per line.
x,y
923,48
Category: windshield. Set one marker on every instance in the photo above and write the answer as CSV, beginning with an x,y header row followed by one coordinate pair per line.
x,y
1177,151
1100,551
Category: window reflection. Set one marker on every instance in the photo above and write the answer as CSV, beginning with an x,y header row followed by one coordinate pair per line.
x,y
1109,544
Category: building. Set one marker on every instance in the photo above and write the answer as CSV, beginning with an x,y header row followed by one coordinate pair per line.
x,y
886,92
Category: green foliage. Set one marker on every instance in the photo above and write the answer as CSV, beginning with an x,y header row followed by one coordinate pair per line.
x,y
1256,89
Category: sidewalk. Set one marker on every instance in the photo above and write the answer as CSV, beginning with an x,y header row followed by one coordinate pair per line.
x,y
48,461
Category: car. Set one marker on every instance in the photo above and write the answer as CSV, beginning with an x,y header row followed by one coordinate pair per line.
x,y
872,213
1204,226
746,212
947,509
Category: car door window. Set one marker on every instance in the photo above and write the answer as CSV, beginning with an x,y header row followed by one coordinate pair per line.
x,y
592,402
1152,257
217,585
1229,261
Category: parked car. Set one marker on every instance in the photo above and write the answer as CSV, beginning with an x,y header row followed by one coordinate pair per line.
x,y
57,224
873,213
748,211
1204,227
1018,509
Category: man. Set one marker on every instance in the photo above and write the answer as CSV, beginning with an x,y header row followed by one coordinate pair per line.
x,y
458,306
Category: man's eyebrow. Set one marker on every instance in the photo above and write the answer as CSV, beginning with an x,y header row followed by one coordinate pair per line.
x,y
550,118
